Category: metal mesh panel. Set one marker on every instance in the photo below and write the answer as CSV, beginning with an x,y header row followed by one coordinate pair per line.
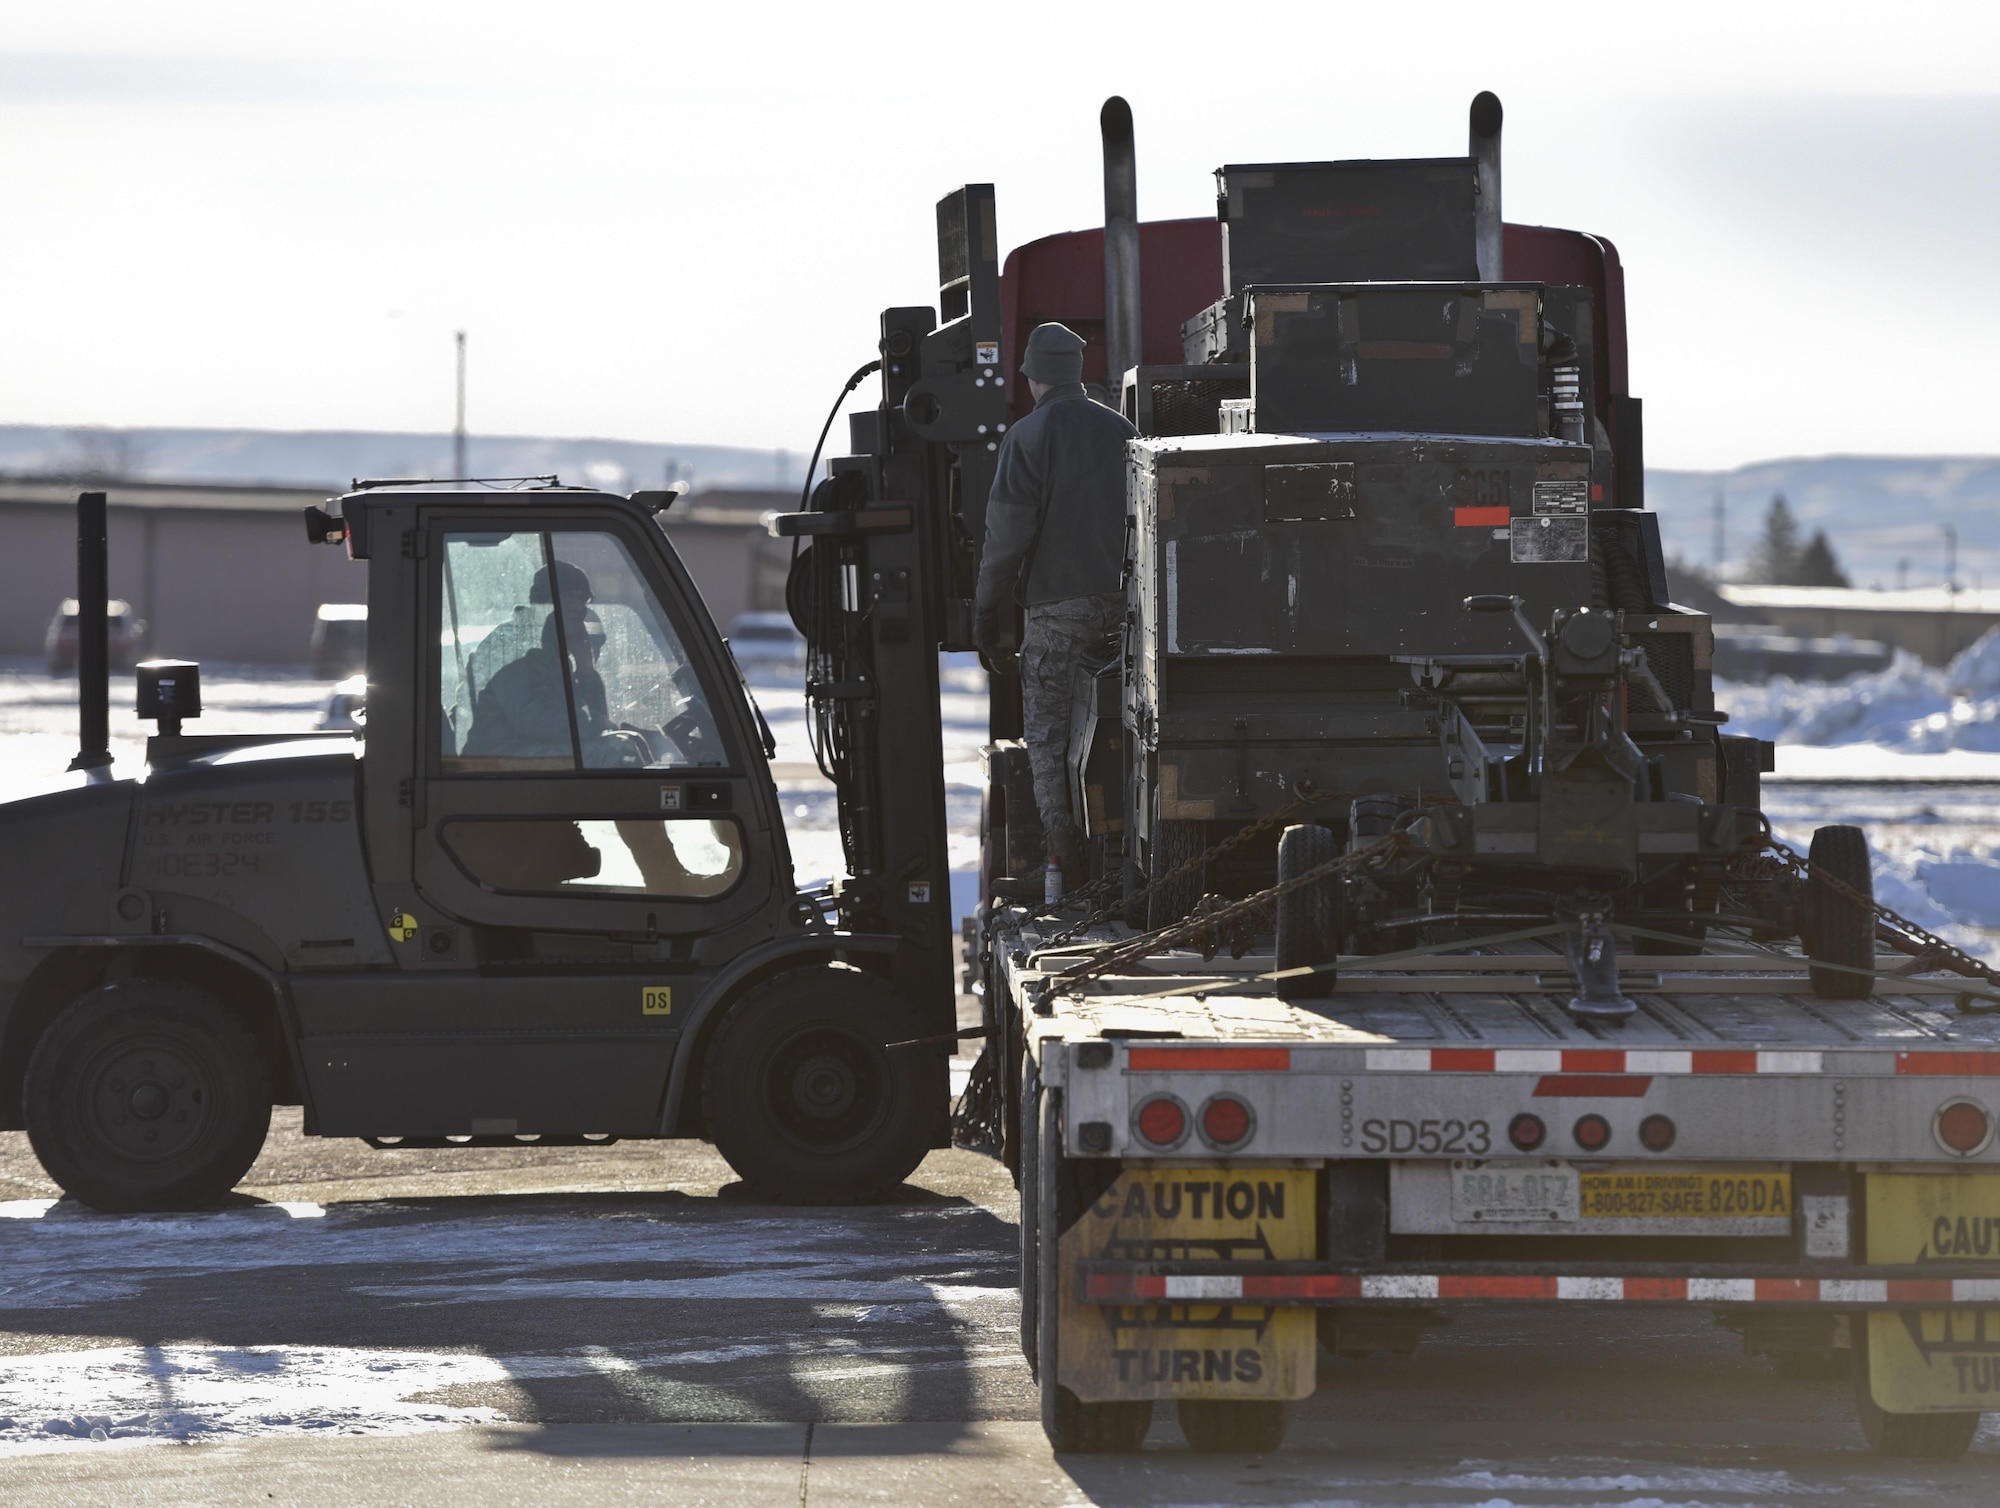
x,y
1671,658
1192,407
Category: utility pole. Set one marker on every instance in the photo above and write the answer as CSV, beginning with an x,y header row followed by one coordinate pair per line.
x,y
458,467
1951,557
1721,520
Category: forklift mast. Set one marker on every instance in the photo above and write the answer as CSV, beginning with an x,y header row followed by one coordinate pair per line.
x,y
882,579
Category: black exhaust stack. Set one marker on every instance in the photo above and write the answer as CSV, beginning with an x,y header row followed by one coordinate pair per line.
x,y
1123,339
1489,229
93,638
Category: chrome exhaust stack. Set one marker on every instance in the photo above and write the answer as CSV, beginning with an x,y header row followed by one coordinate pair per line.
x,y
1123,340
1489,231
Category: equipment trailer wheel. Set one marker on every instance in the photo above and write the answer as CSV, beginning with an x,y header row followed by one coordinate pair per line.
x,y
1100,1429
1234,1426
1939,1436
1308,920
1836,928
802,1097
1175,841
147,1095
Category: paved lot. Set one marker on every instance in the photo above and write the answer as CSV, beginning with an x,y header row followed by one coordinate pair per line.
x,y
611,1325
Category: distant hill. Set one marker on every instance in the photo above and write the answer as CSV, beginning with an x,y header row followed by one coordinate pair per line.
x,y
1877,510
332,458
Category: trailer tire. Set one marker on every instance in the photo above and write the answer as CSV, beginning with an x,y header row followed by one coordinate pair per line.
x,y
1175,841
1234,1426
1309,927
1836,929
1937,1437
147,1095
1099,1428
804,1100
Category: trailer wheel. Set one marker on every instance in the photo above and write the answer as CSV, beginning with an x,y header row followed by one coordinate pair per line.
x,y
1234,1426
1309,928
147,1095
802,1097
1837,929
1941,1436
1175,841
1099,1428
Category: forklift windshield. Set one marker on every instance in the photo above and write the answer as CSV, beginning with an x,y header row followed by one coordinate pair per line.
x,y
557,656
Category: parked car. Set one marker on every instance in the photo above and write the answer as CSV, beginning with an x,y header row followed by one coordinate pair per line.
x,y
128,636
339,640
766,639
346,708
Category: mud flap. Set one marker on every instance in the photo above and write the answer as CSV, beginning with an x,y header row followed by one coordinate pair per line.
x,y
1923,1361
1218,1213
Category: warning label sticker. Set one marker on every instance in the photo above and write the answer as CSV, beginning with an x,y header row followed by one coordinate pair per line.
x,y
1188,1350
1934,1360
1548,541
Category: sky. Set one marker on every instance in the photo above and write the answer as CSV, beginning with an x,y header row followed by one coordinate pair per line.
x,y
678,222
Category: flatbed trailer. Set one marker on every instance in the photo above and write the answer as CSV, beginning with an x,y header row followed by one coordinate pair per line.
x,y
1218,1183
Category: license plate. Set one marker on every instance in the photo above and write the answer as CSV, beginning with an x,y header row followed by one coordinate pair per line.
x,y
1934,1360
1734,1194
1190,1350
1509,1193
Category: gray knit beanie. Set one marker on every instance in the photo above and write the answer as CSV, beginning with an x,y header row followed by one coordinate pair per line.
x,y
1054,356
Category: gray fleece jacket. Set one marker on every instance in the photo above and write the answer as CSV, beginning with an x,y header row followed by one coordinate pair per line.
x,y
1067,459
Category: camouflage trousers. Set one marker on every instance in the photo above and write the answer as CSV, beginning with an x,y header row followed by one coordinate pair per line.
x,y
1056,638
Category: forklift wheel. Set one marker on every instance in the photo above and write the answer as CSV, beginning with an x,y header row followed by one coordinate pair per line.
x,y
147,1095
1838,929
1234,1426
803,1099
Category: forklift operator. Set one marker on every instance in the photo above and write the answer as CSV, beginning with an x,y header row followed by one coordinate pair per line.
x,y
1055,542
522,712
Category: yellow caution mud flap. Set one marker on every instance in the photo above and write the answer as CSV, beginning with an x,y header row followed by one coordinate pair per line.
x,y
1923,1361
1189,1349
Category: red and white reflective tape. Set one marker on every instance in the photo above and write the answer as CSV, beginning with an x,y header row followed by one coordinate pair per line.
x,y
1597,1060
1278,1288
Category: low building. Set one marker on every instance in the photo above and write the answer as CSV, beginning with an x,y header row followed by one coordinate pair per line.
x,y
224,574
1932,623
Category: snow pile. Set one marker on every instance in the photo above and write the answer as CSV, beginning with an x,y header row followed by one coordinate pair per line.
x,y
1910,706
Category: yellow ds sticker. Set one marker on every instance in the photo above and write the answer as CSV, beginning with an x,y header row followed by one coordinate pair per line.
x,y
656,1000
402,926
1934,1360
1189,1214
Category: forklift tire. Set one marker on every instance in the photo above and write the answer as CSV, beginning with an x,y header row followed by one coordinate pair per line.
x,y
1099,1429
804,1100
1234,1426
147,1095
1308,920
1937,1437
1835,928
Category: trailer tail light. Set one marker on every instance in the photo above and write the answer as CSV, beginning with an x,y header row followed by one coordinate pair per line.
x,y
1527,1132
1226,1123
1962,1127
1592,1132
1657,1133
1161,1121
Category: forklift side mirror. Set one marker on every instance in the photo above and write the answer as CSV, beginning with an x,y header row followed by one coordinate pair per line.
x,y
658,500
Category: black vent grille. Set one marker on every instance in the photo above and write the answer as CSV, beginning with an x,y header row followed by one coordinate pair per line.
x,y
1193,407
1671,659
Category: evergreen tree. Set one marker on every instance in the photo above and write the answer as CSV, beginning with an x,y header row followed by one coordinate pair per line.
x,y
1775,561
1818,566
